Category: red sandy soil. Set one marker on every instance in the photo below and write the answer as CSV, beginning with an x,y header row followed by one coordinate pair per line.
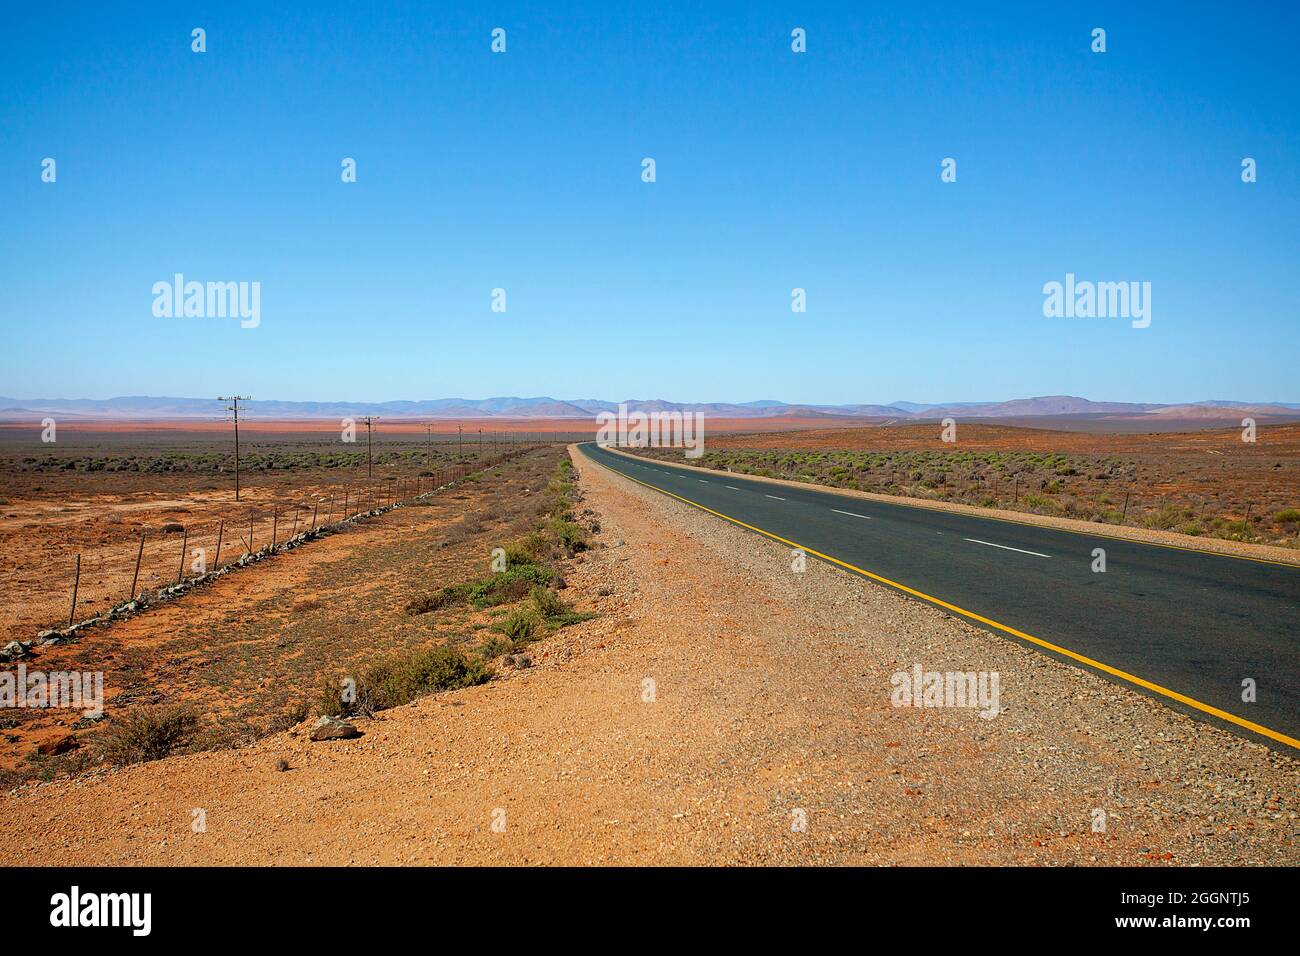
x,y
48,519
249,643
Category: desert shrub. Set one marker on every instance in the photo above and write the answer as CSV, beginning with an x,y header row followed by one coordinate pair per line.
x,y
450,596
10,779
291,716
553,610
1164,519
401,679
1287,516
1236,530
531,548
568,533
548,603
147,733
521,626
327,698
494,646
509,585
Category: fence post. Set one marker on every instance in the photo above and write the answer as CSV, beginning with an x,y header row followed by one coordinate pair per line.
x,y
135,577
180,572
315,506
275,525
76,582
250,531
1124,517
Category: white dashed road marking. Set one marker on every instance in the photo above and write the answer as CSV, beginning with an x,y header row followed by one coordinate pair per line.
x,y
850,514
1037,554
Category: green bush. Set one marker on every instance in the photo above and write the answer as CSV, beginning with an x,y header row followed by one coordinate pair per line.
x,y
400,680
509,585
494,646
521,626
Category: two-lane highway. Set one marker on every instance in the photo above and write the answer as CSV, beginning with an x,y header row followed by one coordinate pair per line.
x,y
1186,625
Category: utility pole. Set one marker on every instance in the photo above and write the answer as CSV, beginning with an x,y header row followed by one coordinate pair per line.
x,y
233,408
370,463
428,446
480,443
460,443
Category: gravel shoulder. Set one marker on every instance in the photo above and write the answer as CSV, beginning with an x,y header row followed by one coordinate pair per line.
x,y
718,702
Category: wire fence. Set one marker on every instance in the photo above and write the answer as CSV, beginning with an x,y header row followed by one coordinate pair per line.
x,y
165,560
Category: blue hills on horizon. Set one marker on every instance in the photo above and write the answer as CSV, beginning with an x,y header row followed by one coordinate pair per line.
x,y
154,407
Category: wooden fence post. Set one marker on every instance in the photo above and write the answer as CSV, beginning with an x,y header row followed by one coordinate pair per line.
x,y
180,572
221,526
76,582
135,577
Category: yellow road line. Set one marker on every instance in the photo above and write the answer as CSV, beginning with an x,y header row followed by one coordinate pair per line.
x,y
1056,648
827,489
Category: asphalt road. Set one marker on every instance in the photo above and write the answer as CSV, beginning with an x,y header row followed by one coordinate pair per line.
x,y
1193,624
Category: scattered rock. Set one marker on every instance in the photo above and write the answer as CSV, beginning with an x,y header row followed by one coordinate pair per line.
x,y
282,765
519,661
171,527
15,651
59,745
332,728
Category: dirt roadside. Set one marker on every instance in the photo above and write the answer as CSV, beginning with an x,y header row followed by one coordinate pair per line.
x,y
770,705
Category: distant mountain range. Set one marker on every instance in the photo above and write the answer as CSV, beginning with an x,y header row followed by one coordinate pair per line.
x,y
136,407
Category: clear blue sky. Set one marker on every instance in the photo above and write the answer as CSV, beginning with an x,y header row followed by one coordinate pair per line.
x,y
775,170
